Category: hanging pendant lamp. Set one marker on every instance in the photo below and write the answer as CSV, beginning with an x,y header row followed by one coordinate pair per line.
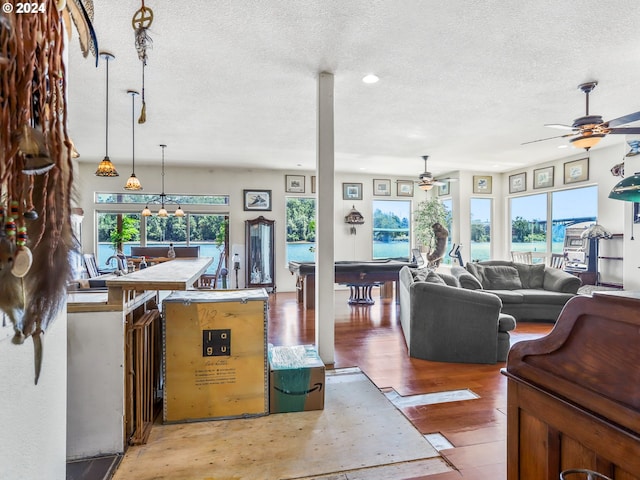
x,y
106,168
133,183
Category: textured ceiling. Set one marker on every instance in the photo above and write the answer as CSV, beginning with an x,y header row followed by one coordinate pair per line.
x,y
234,82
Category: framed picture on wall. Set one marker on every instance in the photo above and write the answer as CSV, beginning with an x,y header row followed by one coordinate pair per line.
x,y
444,189
482,184
381,187
294,183
404,188
313,184
257,200
576,171
543,177
352,191
518,182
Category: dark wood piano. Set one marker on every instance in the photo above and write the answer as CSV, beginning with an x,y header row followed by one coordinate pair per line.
x,y
574,395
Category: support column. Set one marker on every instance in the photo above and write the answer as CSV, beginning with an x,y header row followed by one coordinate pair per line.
x,y
325,166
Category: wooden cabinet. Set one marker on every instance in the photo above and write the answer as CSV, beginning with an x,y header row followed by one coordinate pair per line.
x,y
572,396
260,254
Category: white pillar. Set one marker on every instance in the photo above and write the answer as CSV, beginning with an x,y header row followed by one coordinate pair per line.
x,y
325,163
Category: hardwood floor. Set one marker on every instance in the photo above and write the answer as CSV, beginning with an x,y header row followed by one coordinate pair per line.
x,y
371,338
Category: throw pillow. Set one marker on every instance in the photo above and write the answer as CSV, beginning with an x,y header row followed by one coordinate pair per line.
x,y
478,272
469,282
503,278
419,274
537,276
433,277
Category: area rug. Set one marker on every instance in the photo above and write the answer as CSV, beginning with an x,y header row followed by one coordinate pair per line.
x,y
359,428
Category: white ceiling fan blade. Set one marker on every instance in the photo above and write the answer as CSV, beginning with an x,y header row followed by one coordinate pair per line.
x,y
560,126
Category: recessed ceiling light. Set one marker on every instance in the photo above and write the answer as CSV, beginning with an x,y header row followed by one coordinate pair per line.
x,y
563,146
371,78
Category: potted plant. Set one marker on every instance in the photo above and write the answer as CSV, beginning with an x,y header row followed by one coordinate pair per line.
x,y
127,231
429,212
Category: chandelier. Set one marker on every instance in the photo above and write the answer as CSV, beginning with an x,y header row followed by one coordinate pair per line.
x,y
162,198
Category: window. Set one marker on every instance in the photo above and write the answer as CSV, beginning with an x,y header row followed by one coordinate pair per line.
x,y
480,229
143,198
113,228
301,229
529,223
209,231
570,207
533,231
391,231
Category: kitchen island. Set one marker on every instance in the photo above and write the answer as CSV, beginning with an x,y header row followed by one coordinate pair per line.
x,y
114,357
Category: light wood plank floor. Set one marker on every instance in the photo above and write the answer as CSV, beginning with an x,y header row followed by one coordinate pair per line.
x,y
371,338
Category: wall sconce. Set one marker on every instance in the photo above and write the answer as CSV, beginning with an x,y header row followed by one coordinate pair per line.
x,y
353,218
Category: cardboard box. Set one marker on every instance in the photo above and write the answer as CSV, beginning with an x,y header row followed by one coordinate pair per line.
x,y
296,380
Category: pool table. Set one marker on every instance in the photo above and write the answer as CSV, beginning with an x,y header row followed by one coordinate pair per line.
x,y
360,276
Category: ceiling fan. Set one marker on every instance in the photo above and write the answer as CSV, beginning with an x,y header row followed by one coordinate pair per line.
x,y
426,178
590,129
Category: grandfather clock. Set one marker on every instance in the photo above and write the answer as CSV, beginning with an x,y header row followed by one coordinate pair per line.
x,y
259,244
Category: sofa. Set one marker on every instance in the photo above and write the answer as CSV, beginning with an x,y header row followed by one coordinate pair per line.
x,y
446,323
528,292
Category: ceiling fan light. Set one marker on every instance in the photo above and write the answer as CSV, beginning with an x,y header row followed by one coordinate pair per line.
x,y
133,183
587,141
106,169
425,186
627,189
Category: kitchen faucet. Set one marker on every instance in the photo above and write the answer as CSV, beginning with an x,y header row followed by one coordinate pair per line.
x,y
121,263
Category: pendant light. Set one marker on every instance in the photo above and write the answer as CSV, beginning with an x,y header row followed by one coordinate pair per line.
x,y
133,183
106,168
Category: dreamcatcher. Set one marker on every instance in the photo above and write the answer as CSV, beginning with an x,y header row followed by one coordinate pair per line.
x,y
36,171
141,21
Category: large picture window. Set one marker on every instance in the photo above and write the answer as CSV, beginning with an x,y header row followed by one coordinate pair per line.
x,y
301,229
480,248
208,231
391,228
533,231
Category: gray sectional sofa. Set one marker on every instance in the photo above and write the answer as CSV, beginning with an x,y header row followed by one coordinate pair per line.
x,y
528,292
446,323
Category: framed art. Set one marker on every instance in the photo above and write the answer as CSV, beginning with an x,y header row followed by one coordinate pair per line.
x,y
313,184
444,189
576,171
381,187
352,191
518,182
257,200
294,183
404,188
481,184
543,177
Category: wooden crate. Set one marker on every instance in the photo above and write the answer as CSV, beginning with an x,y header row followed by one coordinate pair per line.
x,y
215,355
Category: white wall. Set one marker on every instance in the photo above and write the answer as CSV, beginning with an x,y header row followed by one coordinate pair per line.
x,y
232,182
34,417
185,180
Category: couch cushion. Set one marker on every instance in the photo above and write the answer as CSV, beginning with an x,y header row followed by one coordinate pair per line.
x,y
502,278
433,277
545,297
531,276
449,280
506,323
509,296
